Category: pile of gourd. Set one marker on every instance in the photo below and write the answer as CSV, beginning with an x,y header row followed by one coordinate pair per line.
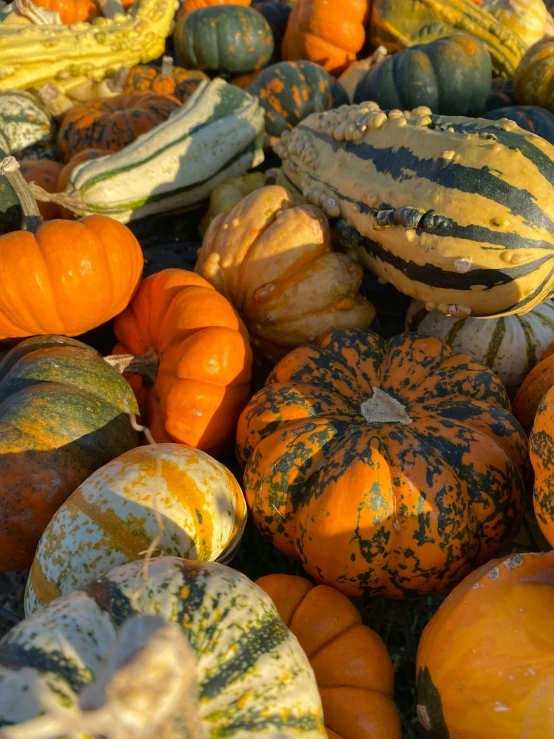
x,y
309,140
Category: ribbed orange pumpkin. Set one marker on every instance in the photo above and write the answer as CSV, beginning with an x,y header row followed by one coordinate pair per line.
x,y
485,662
541,451
197,357
46,174
189,5
533,388
352,667
112,123
390,467
72,11
168,80
327,32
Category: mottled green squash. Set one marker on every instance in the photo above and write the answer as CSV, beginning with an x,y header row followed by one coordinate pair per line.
x,y
451,75
223,38
529,117
27,128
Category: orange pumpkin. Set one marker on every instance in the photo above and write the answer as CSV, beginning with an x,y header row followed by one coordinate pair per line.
x,y
198,359
112,123
327,32
86,155
168,80
533,388
189,5
541,451
485,662
391,467
350,661
45,173
72,11
63,277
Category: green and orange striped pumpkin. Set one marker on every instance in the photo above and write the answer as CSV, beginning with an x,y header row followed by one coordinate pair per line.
x,y
390,467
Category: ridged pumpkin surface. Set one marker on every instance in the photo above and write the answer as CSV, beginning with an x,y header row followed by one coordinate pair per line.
x,y
253,679
62,416
533,388
111,518
485,662
541,448
510,346
205,361
526,17
534,80
456,212
352,667
385,467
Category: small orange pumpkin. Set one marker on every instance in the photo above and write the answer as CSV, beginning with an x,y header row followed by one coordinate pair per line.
x,y
72,11
533,388
46,174
112,123
168,80
352,667
189,5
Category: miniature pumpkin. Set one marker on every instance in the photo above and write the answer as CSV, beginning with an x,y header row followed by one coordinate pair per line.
x,y
485,660
533,388
225,38
390,467
168,80
112,123
326,32
350,661
193,348
62,416
72,11
530,117
290,91
275,264
451,76
45,173
250,677
62,277
198,500
526,17
27,130
541,448
534,79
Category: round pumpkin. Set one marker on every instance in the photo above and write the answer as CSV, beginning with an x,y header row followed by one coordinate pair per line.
x,y
526,17
451,76
274,262
501,94
277,15
541,448
534,80
291,91
72,11
251,678
198,359
112,518
350,661
485,662
188,5
45,173
112,123
168,80
62,416
225,38
509,346
27,130
390,467
533,388
326,32
530,117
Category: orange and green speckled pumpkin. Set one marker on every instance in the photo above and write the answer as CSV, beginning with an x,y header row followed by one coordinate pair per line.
x,y
533,388
485,662
390,467
45,173
62,416
353,670
541,448
326,32
168,80
112,123
72,11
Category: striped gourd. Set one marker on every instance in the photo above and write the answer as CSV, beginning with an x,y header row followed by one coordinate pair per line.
x,y
509,345
111,518
455,212
253,678
216,135
526,17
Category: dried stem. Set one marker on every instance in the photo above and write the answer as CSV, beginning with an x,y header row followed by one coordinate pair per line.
x,y
31,214
146,366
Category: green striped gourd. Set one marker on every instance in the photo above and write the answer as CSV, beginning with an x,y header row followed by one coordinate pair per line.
x,y
111,518
253,678
510,346
27,130
216,135
455,212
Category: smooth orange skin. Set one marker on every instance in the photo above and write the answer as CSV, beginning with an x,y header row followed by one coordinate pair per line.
x,y
490,647
46,174
68,278
72,11
189,5
533,388
203,380
327,32
351,664
83,156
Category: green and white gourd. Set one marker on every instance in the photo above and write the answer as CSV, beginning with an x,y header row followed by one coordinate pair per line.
x,y
510,345
216,135
112,518
27,130
253,678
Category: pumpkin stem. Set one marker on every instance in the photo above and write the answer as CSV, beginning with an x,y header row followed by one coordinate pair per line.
x,y
31,214
167,65
383,408
146,365
54,100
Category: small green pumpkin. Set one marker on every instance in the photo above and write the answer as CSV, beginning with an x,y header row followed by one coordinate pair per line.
x,y
529,117
451,76
291,91
27,128
223,38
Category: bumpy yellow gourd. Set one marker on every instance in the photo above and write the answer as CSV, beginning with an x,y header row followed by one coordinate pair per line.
x,y
32,55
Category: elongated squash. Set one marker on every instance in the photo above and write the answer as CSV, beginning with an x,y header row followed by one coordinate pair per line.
x,y
456,212
32,55
216,135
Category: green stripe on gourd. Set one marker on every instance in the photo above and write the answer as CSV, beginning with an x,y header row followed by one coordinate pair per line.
x,y
455,212
253,678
